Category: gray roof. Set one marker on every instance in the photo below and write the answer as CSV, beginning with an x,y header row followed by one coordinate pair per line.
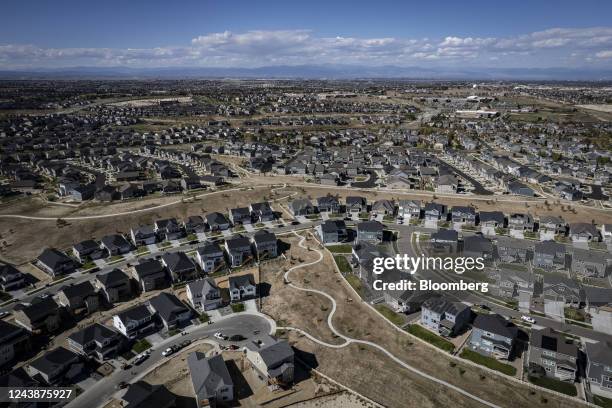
x,y
235,282
95,332
112,278
548,339
264,237
80,289
178,261
370,226
148,267
600,352
496,324
53,360
441,305
274,352
549,247
144,395
135,313
208,375
53,258
167,306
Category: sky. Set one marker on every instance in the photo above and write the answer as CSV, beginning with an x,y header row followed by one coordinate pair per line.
x,y
245,34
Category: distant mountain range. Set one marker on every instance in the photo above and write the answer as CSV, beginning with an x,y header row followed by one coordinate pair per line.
x,y
316,72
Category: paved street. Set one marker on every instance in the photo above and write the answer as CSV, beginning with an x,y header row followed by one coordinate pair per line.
x,y
244,324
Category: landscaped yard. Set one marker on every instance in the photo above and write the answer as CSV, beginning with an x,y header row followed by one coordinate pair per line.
x,y
430,337
343,264
203,318
602,402
488,362
574,314
555,385
395,318
340,249
237,307
115,258
141,345
355,282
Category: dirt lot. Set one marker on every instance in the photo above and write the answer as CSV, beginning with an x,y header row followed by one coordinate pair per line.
x,y
358,321
248,391
25,239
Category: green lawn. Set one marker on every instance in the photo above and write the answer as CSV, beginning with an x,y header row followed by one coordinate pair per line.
x,y
355,282
237,307
343,264
430,337
164,244
602,402
555,385
203,318
88,265
340,249
395,318
140,346
574,314
488,362
115,258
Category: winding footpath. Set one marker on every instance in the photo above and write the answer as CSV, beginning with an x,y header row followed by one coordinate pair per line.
x,y
349,340
157,207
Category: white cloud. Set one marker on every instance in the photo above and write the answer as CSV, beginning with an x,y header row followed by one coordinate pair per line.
x,y
552,47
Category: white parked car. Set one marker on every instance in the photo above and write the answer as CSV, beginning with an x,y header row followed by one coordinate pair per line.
x,y
219,335
167,352
528,319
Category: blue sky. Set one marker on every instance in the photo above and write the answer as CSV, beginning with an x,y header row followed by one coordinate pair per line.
x,y
256,33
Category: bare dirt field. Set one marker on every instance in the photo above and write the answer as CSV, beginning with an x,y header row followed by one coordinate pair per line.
x,y
25,239
357,320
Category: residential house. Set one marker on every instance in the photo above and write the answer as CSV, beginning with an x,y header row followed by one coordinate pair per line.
x,y
80,298
143,235
242,287
511,250
14,340
408,209
194,224
53,366
180,266
88,250
583,232
150,275
116,244
41,316
444,240
55,262
168,229
144,395
435,212
272,361
328,204
549,255
217,221
444,316
370,231
477,246
11,278
552,355
332,231
240,216
210,379
210,257
383,207
355,205
172,312
493,336
114,286
135,322
590,263
301,207
462,215
556,287
599,368
204,294
262,212
238,249
265,245
98,341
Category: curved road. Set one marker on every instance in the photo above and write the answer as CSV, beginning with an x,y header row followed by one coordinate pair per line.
x,y
244,323
349,340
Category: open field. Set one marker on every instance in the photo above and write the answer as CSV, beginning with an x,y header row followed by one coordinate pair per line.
x,y
355,319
